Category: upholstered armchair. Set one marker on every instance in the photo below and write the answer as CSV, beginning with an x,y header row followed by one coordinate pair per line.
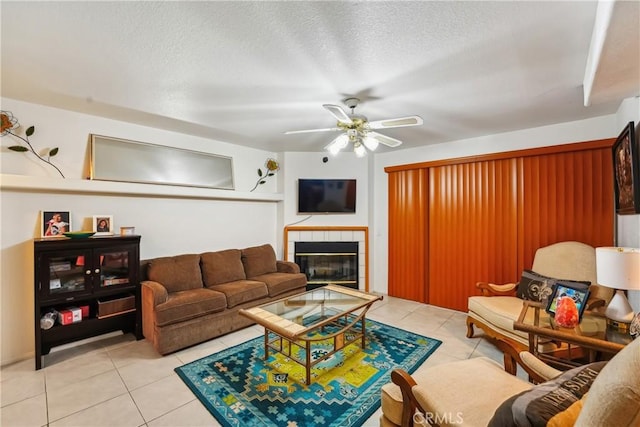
x,y
498,307
472,392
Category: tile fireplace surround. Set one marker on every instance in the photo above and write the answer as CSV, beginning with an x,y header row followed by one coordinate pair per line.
x,y
293,234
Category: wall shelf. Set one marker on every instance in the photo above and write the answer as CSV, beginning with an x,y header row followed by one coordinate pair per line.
x,y
26,183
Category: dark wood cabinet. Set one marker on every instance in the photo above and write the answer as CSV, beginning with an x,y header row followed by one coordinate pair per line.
x,y
99,276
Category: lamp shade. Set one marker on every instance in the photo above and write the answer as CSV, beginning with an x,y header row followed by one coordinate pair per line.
x,y
618,267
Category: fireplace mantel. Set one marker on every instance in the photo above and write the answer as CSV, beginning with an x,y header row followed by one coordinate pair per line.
x,y
359,234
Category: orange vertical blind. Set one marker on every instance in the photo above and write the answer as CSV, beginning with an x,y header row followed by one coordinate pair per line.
x,y
472,228
408,234
566,196
455,222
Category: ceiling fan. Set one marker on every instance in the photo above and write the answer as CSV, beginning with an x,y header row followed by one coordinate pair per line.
x,y
358,130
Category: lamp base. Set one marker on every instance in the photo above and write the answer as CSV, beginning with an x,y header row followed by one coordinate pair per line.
x,y
618,326
619,309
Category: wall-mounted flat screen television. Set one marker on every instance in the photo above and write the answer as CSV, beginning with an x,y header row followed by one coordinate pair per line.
x,y
326,196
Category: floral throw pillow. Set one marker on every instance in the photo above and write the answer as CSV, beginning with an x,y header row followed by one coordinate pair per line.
x,y
537,287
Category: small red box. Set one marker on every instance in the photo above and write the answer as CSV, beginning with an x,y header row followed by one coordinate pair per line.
x,y
69,315
85,311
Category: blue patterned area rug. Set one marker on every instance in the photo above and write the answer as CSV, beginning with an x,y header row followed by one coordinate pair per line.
x,y
240,388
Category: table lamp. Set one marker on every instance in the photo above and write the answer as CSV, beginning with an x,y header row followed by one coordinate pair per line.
x,y
618,268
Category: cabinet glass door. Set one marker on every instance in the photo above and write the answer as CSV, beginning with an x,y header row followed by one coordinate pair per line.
x,y
65,275
114,268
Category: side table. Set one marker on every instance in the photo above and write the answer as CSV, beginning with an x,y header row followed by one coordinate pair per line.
x,y
591,338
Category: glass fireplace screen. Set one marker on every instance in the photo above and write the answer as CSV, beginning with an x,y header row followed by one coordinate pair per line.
x,y
328,263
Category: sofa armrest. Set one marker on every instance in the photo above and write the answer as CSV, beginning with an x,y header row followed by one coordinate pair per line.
x,y
491,289
538,370
287,267
154,291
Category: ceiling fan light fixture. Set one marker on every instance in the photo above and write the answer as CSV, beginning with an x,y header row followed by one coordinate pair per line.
x,y
370,142
359,131
359,149
338,144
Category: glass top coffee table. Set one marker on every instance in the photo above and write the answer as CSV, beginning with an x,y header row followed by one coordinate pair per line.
x,y
294,324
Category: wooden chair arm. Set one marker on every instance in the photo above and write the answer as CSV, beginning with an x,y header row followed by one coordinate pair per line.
x,y
593,303
538,371
409,404
491,289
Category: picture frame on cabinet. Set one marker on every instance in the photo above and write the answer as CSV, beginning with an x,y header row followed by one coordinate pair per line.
x,y
55,223
103,225
626,171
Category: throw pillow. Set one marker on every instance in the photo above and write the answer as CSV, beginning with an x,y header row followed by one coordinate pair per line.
x,y
259,260
222,267
176,273
537,287
550,402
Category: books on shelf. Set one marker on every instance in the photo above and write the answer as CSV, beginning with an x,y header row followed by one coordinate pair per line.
x,y
110,281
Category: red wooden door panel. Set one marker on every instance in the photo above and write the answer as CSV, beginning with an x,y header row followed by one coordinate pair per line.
x,y
472,228
408,234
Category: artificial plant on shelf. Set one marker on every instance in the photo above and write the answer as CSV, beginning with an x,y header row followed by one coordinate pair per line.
x,y
7,126
271,167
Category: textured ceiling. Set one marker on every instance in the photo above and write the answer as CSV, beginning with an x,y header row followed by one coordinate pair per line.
x,y
245,72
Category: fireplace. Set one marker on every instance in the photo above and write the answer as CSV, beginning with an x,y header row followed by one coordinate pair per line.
x,y
327,263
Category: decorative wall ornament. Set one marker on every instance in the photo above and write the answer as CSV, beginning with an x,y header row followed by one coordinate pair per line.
x,y
9,123
271,167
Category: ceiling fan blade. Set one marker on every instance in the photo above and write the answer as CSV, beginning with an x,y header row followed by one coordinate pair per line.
x,y
290,132
396,123
337,112
386,140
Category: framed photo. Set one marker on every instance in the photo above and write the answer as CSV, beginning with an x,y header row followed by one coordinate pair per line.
x,y
55,223
626,171
576,291
103,225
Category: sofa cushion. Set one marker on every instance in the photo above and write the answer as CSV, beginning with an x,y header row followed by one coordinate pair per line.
x,y
241,291
555,400
185,305
259,260
222,267
537,287
279,283
176,273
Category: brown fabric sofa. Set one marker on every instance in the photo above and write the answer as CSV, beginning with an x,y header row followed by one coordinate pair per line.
x,y
191,298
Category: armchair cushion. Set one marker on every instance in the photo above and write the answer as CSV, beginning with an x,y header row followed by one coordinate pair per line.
x,y
435,393
440,390
550,400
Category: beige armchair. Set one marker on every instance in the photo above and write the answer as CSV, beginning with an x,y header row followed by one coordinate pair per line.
x,y
498,307
468,392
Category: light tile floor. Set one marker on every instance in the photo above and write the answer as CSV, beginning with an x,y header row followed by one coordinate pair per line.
x,y
118,381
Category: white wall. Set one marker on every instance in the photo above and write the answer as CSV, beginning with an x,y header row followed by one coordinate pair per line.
x,y
172,225
629,225
168,225
310,165
578,131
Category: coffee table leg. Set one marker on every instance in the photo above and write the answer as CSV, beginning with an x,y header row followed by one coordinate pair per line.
x,y
364,335
266,343
308,364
